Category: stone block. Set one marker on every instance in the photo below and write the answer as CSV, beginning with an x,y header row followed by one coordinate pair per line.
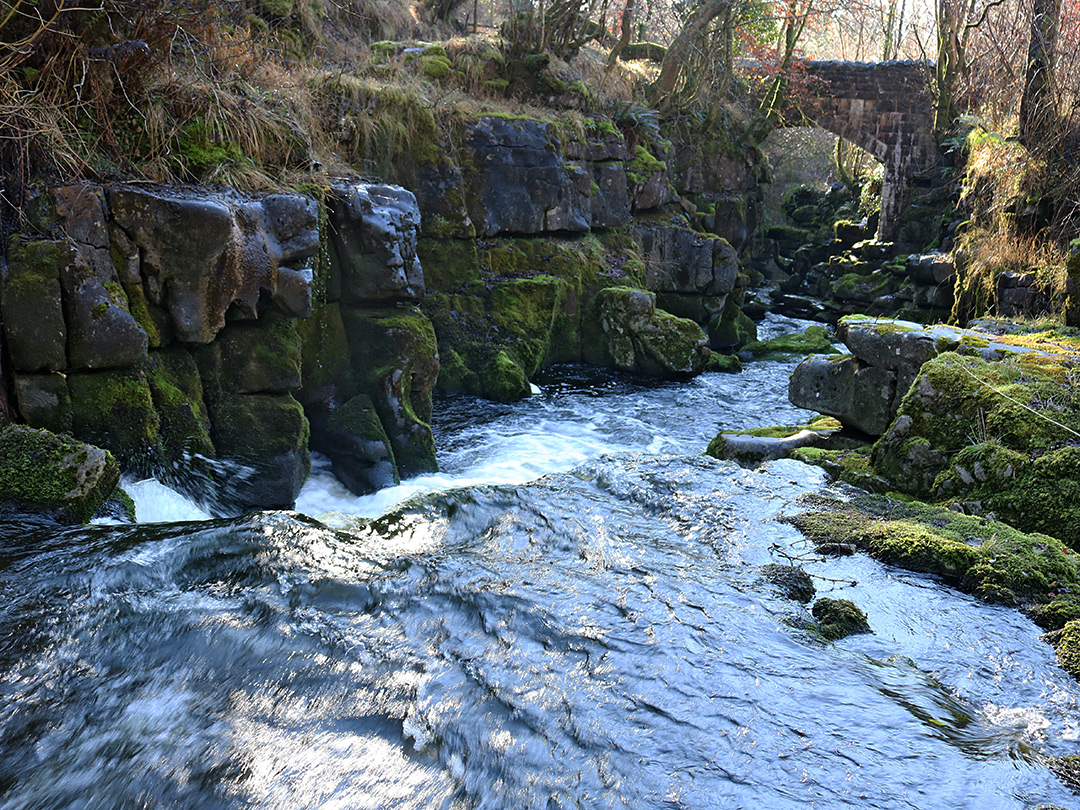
x,y
43,401
32,304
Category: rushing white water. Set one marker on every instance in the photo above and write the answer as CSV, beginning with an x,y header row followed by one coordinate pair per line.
x,y
572,615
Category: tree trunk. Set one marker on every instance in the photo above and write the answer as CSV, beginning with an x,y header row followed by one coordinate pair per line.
x,y
692,32
626,31
1037,103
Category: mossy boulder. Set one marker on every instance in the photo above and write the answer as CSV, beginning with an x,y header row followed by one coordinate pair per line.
x,y
732,328
982,556
54,476
839,618
115,410
814,340
1020,412
645,340
267,436
768,443
790,580
394,353
358,447
503,379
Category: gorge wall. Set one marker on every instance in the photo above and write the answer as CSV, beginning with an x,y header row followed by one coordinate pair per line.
x,y
206,335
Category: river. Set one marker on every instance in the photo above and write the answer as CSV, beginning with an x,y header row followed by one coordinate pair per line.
x,y
570,615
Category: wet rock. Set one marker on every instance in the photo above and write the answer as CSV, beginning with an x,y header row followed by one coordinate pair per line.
x,y
645,340
115,410
31,304
268,435
609,205
53,475
839,618
373,240
791,580
679,259
395,350
358,447
195,280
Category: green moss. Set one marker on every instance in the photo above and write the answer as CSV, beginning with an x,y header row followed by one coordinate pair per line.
x,y
724,363
732,328
985,557
792,581
177,393
277,8
435,67
449,264
851,465
642,166
815,340
1068,653
54,474
838,618
115,410
118,506
503,379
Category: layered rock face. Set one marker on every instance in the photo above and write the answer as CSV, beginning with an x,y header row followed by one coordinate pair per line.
x,y
540,220
160,325
370,358
170,327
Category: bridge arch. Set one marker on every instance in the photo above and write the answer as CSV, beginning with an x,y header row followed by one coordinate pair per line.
x,y
884,108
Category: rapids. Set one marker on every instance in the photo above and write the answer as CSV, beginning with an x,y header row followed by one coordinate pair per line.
x,y
572,614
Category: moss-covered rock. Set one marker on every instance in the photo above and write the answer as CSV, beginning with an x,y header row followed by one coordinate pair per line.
x,y
55,476
260,356
395,355
732,328
358,447
991,431
850,465
790,580
839,618
267,434
985,557
31,304
768,443
724,363
176,390
814,340
503,379
645,340
115,410
119,506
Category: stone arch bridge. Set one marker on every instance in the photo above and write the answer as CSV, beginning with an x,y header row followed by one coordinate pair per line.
x,y
884,107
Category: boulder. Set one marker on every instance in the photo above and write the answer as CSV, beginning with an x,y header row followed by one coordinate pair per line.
x,y
645,340
56,476
838,618
358,447
246,249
